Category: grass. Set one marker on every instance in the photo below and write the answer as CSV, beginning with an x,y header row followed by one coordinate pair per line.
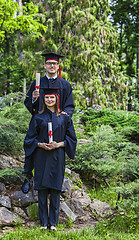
x,y
104,230
104,193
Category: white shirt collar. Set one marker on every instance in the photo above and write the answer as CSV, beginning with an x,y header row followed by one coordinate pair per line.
x,y
52,77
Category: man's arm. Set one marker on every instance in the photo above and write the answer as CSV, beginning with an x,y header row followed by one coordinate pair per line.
x,y
68,106
32,99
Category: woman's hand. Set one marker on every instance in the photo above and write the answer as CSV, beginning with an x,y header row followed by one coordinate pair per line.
x,y
51,146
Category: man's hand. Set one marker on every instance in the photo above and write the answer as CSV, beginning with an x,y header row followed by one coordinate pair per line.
x,y
64,113
35,94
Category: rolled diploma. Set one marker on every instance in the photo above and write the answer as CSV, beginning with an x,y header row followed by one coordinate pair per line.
x,y
37,80
50,133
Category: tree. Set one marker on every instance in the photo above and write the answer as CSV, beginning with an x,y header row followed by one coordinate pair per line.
x,y
125,17
81,31
11,25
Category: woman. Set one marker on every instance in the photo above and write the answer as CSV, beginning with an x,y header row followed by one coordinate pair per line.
x,y
49,158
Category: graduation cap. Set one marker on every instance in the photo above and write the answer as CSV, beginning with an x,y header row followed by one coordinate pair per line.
x,y
53,56
51,91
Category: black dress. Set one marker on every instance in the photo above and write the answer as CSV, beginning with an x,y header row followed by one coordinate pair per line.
x,y
49,166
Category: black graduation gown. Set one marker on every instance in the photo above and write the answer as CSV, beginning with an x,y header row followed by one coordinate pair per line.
x,y
49,166
66,98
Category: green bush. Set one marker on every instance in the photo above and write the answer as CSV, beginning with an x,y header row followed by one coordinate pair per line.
x,y
19,115
129,199
108,156
123,122
14,122
11,142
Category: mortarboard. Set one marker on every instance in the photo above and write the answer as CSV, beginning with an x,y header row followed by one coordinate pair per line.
x,y
51,91
52,56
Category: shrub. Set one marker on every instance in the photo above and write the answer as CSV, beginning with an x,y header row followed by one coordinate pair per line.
x,y
14,122
109,155
118,120
129,193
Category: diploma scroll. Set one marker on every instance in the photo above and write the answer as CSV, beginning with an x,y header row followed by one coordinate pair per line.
x,y
37,86
50,133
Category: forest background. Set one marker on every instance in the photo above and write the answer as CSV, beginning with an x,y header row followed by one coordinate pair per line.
x,y
99,40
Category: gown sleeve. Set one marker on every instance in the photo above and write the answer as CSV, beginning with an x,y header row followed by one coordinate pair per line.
x,y
32,107
70,140
31,139
69,106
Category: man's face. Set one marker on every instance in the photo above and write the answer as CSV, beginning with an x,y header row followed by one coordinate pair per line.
x,y
51,67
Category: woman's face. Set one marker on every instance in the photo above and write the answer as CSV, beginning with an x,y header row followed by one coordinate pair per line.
x,y
50,100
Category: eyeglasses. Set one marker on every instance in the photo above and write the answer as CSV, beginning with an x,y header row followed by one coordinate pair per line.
x,y
51,63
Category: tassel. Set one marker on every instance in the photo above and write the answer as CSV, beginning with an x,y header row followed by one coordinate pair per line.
x,y
60,71
58,102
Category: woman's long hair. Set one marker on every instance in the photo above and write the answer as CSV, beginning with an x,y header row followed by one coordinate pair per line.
x,y
44,107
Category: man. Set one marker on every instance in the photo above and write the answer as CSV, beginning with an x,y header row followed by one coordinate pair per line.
x,y
34,100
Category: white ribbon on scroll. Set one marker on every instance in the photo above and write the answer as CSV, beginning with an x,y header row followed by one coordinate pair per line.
x,y
50,133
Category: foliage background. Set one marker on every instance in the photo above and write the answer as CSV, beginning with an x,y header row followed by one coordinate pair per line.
x,y
99,42
81,31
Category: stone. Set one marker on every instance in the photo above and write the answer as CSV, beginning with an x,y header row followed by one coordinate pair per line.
x,y
101,208
7,218
5,201
2,187
68,171
65,210
75,177
20,199
20,212
96,107
82,197
8,162
83,141
76,206
67,186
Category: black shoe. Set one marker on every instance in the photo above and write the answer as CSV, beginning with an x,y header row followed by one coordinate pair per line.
x,y
63,191
26,186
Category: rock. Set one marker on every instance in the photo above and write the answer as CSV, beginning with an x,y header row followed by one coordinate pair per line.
x,y
75,177
83,141
67,186
65,210
96,107
5,201
20,212
20,199
68,171
8,162
84,218
76,207
82,197
101,208
7,217
2,187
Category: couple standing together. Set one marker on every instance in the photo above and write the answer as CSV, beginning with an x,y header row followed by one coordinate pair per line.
x,y
51,103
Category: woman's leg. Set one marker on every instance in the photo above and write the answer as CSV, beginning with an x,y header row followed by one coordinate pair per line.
x,y
54,207
43,207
